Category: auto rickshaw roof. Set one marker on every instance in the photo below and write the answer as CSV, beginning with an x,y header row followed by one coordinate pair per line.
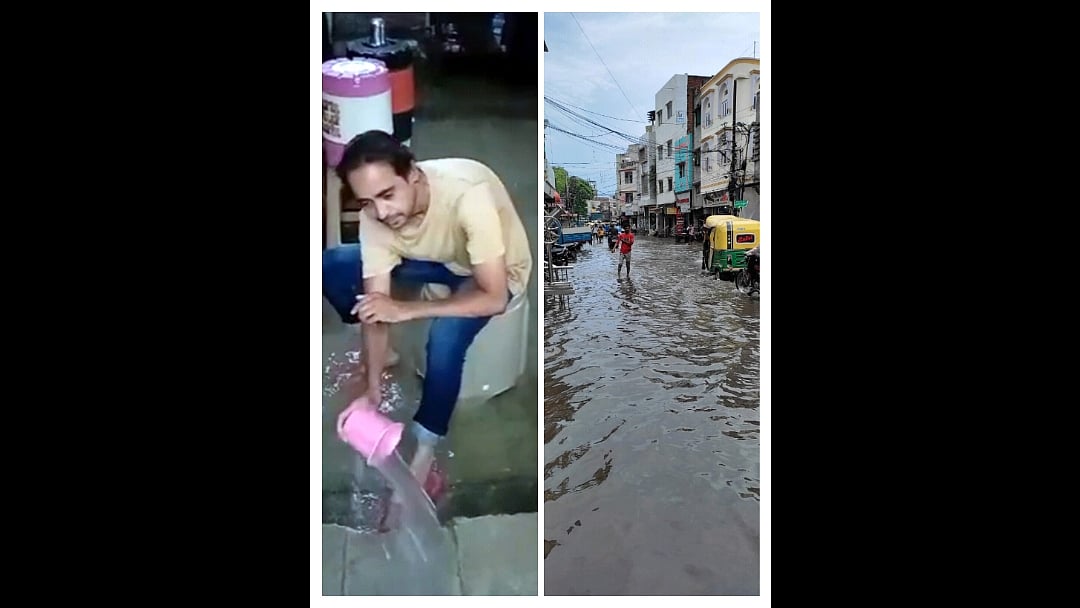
x,y
715,220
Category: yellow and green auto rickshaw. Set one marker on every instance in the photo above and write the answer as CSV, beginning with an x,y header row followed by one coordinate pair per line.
x,y
727,240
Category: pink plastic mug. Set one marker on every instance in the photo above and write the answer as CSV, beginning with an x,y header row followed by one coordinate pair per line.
x,y
373,435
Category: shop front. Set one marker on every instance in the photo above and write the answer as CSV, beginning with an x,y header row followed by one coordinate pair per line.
x,y
716,203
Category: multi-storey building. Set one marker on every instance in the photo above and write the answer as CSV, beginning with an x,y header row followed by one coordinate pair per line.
x,y
729,110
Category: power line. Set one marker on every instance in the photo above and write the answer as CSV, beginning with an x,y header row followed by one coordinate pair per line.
x,y
640,122
583,122
586,123
636,113
634,139
585,138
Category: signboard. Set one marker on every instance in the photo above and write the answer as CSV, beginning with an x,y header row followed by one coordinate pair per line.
x,y
680,117
740,204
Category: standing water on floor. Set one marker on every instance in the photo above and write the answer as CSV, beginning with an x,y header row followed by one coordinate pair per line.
x,y
651,428
420,546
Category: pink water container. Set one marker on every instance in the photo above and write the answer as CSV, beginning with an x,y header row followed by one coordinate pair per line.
x,y
355,98
372,434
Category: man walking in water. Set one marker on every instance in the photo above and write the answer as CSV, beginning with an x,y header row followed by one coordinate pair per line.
x,y
446,221
626,242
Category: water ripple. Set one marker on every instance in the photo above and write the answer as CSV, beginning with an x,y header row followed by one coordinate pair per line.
x,y
651,419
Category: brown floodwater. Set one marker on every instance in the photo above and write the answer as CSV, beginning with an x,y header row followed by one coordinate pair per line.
x,y
651,429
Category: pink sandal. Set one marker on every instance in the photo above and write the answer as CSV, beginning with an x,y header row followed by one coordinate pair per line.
x,y
435,486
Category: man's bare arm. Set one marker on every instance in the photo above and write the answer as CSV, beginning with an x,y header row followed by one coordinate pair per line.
x,y
376,336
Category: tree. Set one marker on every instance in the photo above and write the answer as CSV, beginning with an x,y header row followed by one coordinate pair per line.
x,y
560,181
580,191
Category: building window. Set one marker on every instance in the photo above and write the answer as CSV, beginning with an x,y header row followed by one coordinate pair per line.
x,y
629,197
708,157
697,116
628,177
659,152
669,109
669,184
708,112
682,170
660,186
757,143
669,148
659,117
725,103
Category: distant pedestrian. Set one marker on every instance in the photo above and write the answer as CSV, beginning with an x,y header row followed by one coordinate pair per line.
x,y
706,237
626,243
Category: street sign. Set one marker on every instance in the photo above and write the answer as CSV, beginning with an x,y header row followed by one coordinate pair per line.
x,y
740,204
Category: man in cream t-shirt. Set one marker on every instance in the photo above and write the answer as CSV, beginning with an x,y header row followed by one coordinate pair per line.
x,y
446,221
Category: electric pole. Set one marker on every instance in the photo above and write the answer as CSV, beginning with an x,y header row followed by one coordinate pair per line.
x,y
731,173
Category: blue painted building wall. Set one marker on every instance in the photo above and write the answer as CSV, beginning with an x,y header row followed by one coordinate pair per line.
x,y
683,152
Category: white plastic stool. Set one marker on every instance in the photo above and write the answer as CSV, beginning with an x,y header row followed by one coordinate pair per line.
x,y
496,358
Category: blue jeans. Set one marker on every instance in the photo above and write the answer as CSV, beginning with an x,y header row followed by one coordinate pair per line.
x,y
448,340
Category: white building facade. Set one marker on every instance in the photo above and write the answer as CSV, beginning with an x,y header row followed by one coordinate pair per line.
x,y
629,178
669,126
729,104
646,197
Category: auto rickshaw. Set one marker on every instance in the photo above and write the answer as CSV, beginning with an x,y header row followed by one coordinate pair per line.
x,y
728,239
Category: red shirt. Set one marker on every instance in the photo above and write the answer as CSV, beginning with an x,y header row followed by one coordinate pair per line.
x,y
626,241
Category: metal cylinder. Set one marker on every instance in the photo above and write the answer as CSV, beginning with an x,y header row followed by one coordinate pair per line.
x,y
378,32
356,98
399,59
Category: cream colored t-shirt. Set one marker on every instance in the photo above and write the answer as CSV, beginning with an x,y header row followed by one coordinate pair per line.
x,y
470,220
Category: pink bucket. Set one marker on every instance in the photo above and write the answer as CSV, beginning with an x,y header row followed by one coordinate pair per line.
x,y
373,435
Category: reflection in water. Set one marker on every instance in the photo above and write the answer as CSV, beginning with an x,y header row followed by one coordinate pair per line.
x,y
651,429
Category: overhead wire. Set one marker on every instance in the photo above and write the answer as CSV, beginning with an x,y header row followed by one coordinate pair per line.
x,y
625,96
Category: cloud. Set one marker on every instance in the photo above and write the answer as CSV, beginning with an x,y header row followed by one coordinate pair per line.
x,y
643,51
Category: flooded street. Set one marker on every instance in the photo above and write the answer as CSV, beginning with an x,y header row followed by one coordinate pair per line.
x,y
651,429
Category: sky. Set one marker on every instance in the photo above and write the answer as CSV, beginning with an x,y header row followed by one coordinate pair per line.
x,y
641,51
